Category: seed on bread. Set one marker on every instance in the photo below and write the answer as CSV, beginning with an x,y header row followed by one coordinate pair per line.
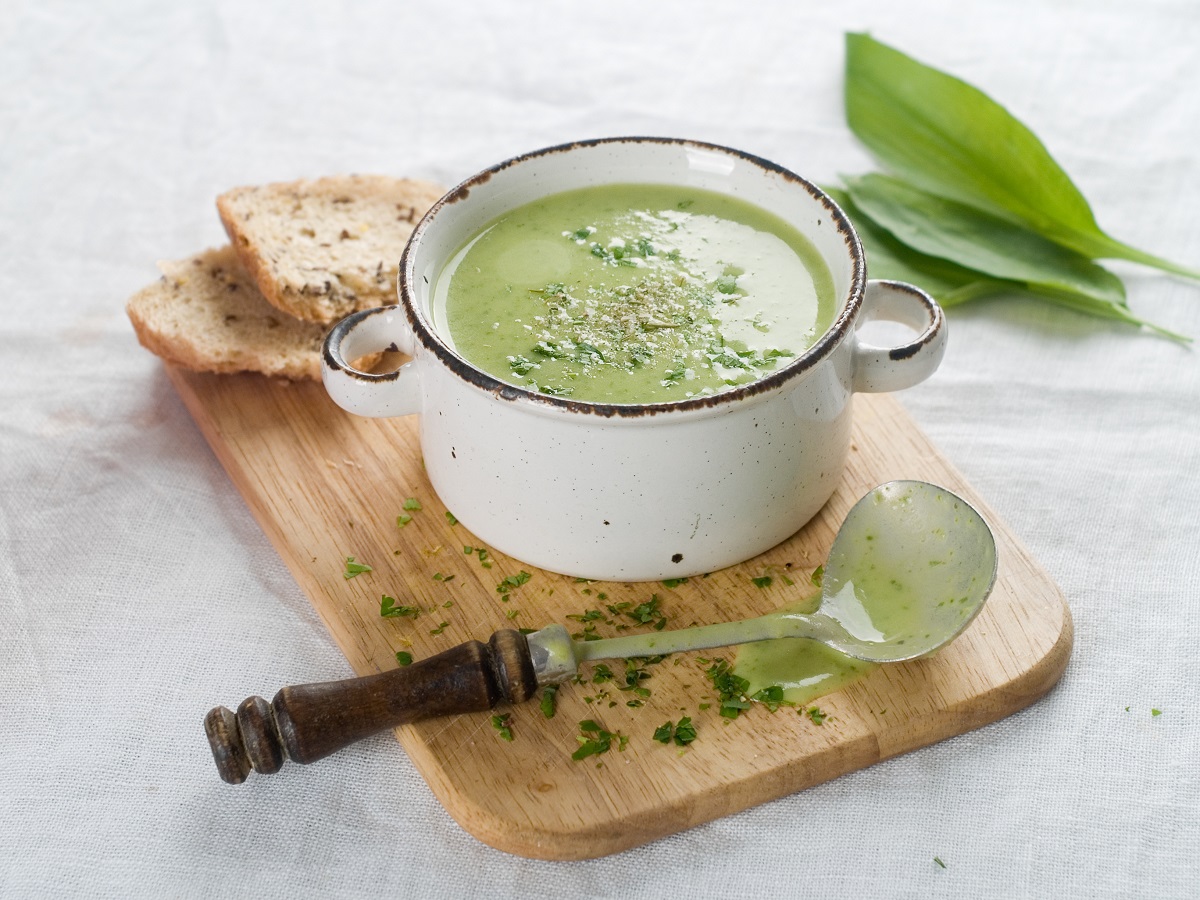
x,y
206,314
320,249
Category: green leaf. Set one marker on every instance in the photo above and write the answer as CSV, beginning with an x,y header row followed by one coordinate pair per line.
x,y
953,140
889,258
389,610
978,240
952,284
354,568
503,726
685,732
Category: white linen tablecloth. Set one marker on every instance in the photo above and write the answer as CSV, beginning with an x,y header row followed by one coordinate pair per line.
x,y
136,591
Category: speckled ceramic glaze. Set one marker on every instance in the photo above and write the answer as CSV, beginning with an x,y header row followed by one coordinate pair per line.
x,y
633,492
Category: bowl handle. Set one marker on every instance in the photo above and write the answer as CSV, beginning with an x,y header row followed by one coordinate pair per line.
x,y
367,393
879,369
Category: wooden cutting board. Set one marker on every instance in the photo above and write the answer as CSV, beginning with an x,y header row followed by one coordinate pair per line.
x,y
325,485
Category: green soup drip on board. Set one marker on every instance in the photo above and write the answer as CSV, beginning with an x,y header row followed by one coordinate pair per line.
x,y
804,669
634,294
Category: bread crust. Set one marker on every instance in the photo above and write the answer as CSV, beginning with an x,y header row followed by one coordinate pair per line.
x,y
320,249
205,314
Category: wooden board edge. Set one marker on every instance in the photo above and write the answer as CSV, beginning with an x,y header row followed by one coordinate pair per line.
x,y
592,841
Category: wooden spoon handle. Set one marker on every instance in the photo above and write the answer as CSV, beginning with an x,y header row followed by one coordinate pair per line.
x,y
309,721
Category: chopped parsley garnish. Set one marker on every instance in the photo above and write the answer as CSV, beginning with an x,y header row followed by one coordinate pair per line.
x,y
450,517
389,610
595,740
442,626
1156,712
549,698
402,520
816,715
404,658
685,731
938,860
818,576
503,726
479,552
354,568
763,581
726,284
520,365
411,503
513,581
682,733
635,674
730,688
673,582
438,576
510,583
771,697
647,613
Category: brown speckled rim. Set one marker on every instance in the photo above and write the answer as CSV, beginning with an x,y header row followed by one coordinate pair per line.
x,y
824,345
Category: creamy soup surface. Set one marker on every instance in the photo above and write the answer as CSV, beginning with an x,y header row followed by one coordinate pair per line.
x,y
634,294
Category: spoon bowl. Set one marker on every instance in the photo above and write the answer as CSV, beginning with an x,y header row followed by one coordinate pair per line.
x,y
909,570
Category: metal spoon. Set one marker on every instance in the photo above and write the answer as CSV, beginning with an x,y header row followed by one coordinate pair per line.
x,y
909,569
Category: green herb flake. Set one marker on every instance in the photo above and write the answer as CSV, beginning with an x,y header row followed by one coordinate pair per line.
x,y
442,626
503,726
404,658
438,576
354,568
938,860
451,518
403,519
411,503
647,613
763,581
510,583
389,610
595,740
818,576
816,715
664,732
549,700
673,582
730,688
771,697
1156,712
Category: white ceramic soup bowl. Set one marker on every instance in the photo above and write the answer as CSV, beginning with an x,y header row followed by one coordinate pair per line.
x,y
632,492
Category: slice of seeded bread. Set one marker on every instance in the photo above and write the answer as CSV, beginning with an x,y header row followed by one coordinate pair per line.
x,y
321,249
206,314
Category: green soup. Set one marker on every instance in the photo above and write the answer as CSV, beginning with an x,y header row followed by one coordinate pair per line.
x,y
634,294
